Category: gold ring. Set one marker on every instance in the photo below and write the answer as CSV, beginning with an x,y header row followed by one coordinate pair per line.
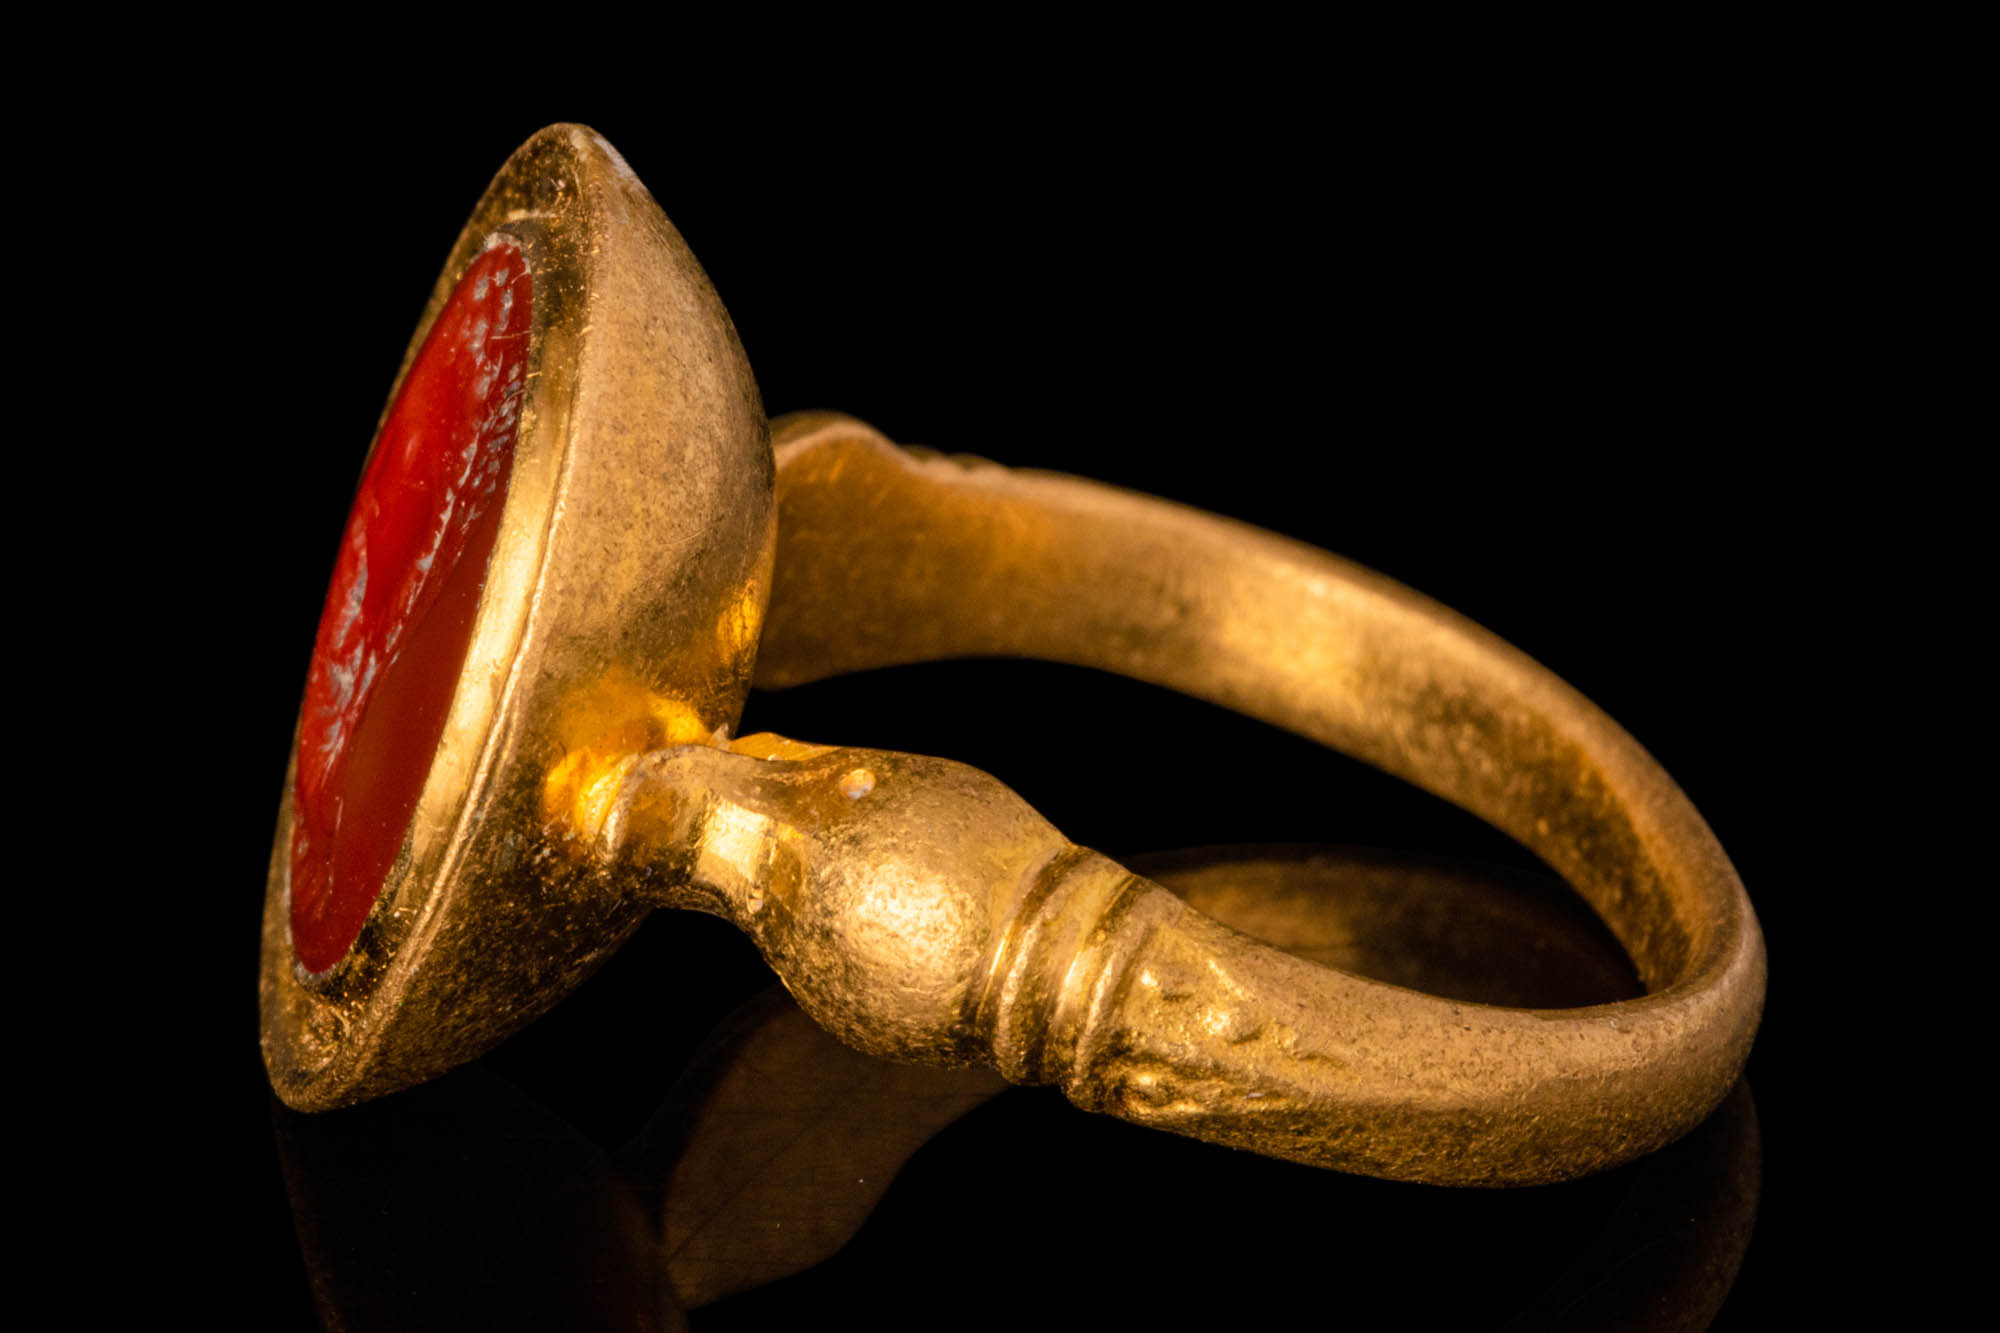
x,y
548,608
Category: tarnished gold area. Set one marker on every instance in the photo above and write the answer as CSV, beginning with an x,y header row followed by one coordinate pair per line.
x,y
917,908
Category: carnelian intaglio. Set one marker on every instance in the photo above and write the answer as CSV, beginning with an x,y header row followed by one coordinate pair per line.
x,y
400,610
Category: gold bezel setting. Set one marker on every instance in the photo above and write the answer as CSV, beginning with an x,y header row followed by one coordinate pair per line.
x,y
615,394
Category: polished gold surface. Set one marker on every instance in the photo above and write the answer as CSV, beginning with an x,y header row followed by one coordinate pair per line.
x,y
915,907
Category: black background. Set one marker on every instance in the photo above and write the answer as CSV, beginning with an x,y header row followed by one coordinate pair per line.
x,y
1545,361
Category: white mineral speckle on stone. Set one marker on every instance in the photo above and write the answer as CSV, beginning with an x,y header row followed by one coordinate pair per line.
x,y
350,605
342,674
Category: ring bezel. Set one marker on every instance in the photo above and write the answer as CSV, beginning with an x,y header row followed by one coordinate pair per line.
x,y
625,594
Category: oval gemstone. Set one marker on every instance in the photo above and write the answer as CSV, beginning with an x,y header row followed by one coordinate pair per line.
x,y
400,611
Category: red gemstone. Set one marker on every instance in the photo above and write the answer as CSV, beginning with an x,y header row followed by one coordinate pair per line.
x,y
399,614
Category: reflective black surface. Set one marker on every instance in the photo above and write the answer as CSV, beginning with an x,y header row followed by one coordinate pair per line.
x,y
792,1178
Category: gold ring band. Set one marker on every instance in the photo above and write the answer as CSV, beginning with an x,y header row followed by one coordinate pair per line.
x,y
887,559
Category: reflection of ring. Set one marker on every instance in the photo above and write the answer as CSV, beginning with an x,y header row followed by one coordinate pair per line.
x,y
777,1143
543,623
